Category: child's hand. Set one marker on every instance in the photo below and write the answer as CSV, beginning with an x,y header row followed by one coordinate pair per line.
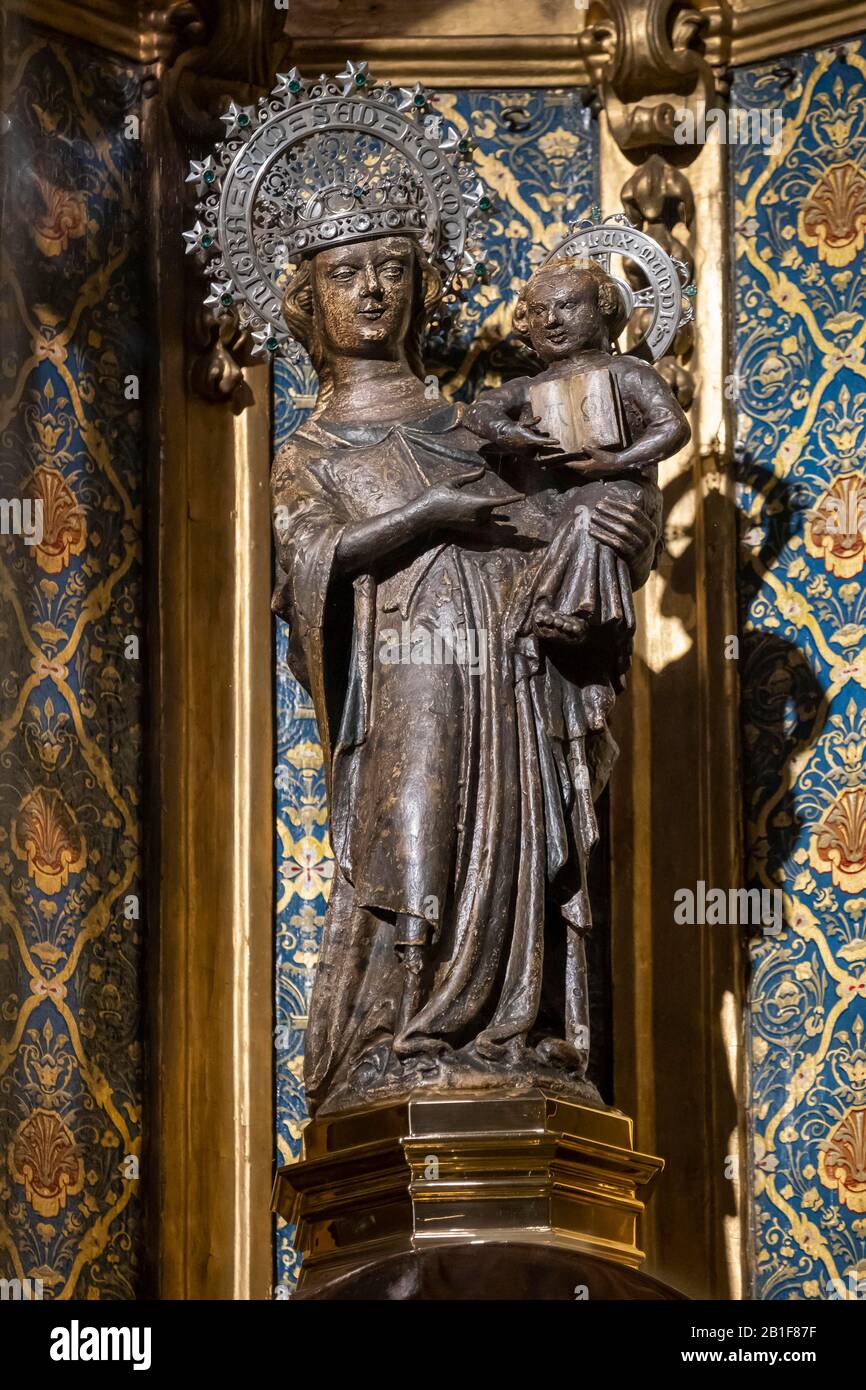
x,y
522,439
603,463
487,418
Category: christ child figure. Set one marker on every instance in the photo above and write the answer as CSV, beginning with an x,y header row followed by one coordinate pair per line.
x,y
607,418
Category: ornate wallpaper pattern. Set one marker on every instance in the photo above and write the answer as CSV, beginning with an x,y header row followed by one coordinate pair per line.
x,y
537,152
70,684
800,387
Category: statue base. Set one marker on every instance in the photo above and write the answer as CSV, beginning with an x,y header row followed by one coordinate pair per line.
x,y
404,1195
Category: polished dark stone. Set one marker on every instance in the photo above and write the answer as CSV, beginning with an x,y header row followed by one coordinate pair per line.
x,y
491,1272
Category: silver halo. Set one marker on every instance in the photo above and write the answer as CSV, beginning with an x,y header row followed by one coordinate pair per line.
x,y
668,278
248,258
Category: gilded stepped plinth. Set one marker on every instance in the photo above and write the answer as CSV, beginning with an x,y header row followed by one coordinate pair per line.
x,y
538,1177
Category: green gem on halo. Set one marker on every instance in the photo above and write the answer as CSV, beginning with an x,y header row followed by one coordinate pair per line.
x,y
360,79
243,119
294,85
464,146
480,269
272,344
420,101
209,175
484,204
691,291
207,242
227,301
357,192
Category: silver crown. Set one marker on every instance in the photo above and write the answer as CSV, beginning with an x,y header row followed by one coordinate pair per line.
x,y
325,163
386,200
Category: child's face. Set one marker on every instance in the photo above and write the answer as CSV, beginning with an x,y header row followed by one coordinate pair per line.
x,y
563,314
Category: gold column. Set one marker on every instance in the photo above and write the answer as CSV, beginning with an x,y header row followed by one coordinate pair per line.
x,y
675,801
212,756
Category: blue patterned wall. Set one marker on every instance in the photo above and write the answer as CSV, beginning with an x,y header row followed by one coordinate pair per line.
x,y
537,152
800,331
70,672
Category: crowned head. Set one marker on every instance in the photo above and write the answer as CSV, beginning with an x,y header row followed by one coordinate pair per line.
x,y
357,191
321,167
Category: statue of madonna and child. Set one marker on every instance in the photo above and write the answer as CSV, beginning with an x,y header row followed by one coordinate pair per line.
x,y
514,530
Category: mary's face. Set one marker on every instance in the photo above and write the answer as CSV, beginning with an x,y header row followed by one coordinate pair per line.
x,y
363,296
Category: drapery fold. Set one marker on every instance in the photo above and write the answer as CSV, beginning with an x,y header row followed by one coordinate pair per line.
x,y
461,783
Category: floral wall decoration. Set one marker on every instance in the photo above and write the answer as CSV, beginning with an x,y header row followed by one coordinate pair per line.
x,y
71,463
800,392
537,152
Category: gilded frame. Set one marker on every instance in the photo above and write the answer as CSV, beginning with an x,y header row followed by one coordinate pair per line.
x,y
208,1166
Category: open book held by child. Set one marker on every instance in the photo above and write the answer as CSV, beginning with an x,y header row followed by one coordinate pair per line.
x,y
609,419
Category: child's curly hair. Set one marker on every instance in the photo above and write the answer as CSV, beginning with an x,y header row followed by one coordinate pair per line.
x,y
610,299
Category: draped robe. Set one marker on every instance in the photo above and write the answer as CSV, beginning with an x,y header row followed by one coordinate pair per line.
x,y
461,776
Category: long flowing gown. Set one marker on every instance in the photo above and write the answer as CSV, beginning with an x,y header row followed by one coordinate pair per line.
x,y
462,762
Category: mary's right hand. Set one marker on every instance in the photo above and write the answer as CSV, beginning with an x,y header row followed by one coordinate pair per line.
x,y
452,503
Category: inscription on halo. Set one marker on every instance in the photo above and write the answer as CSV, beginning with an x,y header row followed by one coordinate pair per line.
x,y
252,275
602,241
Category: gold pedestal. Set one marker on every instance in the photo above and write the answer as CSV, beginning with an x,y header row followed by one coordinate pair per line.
x,y
446,1170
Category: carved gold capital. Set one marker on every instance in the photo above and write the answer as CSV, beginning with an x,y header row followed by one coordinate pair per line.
x,y
649,60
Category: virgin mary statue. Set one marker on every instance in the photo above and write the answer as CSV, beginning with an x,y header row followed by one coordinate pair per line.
x,y
462,754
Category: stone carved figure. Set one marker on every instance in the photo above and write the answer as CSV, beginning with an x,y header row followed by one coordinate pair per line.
x,y
464,747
